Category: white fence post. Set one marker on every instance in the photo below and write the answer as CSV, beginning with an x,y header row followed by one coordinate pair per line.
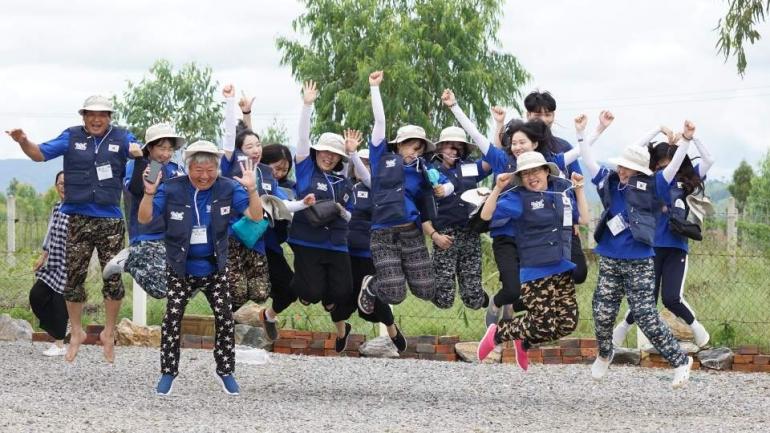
x,y
11,228
139,303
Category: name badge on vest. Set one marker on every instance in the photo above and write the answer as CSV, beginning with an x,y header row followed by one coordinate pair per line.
x,y
113,147
104,171
224,210
468,170
242,158
617,224
81,146
362,194
641,185
567,211
198,235
267,186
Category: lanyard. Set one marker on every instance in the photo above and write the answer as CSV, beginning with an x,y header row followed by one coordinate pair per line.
x,y
332,183
99,144
195,205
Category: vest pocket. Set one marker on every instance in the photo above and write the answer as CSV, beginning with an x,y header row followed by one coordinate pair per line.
x,y
388,205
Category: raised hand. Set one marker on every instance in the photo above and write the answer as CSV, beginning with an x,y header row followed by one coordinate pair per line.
x,y
605,120
228,91
503,180
309,92
353,139
577,179
665,130
375,78
245,102
498,113
689,130
309,199
249,178
448,98
150,187
135,150
18,135
580,123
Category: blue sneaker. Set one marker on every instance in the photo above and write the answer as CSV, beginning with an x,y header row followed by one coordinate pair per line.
x,y
229,384
165,384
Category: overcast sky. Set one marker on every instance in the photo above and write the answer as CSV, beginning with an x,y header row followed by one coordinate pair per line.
x,y
651,62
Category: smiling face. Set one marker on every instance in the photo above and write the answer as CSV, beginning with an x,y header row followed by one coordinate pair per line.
x,y
60,185
326,160
203,173
411,149
625,173
96,122
520,143
535,179
162,150
450,152
252,148
280,169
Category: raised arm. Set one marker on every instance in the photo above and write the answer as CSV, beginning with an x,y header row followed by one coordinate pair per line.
x,y
228,139
245,103
586,153
29,148
378,131
498,113
309,95
706,160
681,151
448,98
490,205
353,139
605,120
580,199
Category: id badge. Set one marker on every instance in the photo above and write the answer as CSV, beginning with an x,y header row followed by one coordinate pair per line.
x,y
468,170
567,211
104,171
617,224
198,235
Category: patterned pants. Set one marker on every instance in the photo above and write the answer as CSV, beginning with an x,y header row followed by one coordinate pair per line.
x,y
180,290
400,256
552,311
248,276
84,233
463,261
146,262
635,279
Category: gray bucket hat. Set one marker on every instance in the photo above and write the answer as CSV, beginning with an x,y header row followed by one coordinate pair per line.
x,y
97,103
407,132
163,130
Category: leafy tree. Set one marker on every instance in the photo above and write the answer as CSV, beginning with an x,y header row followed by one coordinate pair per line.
x,y
424,46
741,184
758,201
185,98
276,133
738,26
29,204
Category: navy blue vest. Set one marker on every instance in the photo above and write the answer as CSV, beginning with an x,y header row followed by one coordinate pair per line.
x,y
337,231
81,183
674,212
360,223
178,232
640,203
264,173
388,191
510,167
157,225
542,238
453,211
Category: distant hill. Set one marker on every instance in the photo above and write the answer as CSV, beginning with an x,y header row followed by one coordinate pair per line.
x,y
38,174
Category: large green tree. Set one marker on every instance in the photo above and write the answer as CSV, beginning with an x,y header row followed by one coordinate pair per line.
x,y
738,26
424,46
758,201
186,98
741,184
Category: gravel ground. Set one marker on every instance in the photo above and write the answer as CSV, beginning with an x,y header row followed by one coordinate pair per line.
x,y
300,394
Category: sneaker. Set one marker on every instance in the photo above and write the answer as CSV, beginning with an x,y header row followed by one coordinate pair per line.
x,y
492,315
699,332
366,299
522,357
115,266
55,350
619,333
600,366
165,384
682,374
399,341
271,328
229,384
341,343
487,343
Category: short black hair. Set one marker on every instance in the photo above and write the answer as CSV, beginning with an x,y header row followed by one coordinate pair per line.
x,y
538,102
277,152
241,136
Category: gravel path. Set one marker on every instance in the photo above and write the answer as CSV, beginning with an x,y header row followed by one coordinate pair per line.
x,y
301,394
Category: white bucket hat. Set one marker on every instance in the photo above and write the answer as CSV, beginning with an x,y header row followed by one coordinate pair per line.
x,y
96,103
476,197
407,132
634,158
202,146
163,130
530,160
363,153
275,208
333,143
700,207
454,134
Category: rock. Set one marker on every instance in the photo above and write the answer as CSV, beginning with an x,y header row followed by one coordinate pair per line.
x,y
129,334
380,347
14,329
681,330
248,315
716,359
686,347
253,336
467,352
627,356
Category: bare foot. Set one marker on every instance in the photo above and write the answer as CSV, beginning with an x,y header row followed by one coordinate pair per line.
x,y
108,345
74,346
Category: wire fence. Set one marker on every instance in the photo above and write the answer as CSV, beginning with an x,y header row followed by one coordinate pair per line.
x,y
726,285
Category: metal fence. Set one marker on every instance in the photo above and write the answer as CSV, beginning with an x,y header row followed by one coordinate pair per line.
x,y
727,286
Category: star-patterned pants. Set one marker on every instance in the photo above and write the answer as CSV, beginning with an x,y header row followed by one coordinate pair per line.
x,y
180,290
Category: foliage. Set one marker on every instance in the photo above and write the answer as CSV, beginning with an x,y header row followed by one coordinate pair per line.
x,y
741,184
758,200
276,133
423,46
739,25
186,98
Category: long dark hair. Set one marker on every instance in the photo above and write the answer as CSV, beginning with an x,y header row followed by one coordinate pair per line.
x,y
536,130
241,136
275,153
691,181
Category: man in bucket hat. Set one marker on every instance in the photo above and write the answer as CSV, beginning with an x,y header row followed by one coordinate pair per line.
x,y
95,156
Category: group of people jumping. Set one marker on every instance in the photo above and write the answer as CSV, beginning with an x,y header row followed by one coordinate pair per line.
x,y
357,219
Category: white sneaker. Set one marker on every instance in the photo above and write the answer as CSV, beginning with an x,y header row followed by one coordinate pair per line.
x,y
115,266
682,374
55,350
699,332
600,366
619,333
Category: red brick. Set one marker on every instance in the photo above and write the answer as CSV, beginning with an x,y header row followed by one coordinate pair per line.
x,y
449,339
761,359
298,343
207,342
409,355
286,333
297,351
762,368
329,344
94,339
285,350
646,363
357,338
588,343
320,335
317,344
445,348
509,359
744,367
572,359
509,352
439,356
282,342
426,348
427,339
42,336
303,335
535,360
315,352
588,352
550,352
191,341
332,353
571,352
696,365
551,360
94,329
353,346
569,342
743,359
748,349
350,354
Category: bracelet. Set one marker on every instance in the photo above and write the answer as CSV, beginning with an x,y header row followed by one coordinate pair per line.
x,y
580,140
434,232
453,105
246,112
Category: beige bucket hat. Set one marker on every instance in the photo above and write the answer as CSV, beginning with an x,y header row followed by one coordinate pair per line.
x,y
202,146
407,132
163,130
530,160
97,103
454,134
275,208
634,158
331,142
700,207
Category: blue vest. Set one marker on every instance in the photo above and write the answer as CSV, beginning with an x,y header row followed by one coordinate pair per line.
x,y
335,232
452,210
496,225
178,232
81,183
157,225
640,203
389,191
264,173
360,223
542,238
674,212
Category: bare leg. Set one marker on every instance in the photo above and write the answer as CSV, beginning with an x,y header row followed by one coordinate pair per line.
x,y
77,335
340,328
392,331
107,336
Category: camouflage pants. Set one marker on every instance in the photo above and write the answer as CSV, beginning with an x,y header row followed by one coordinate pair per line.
x,y
146,262
635,279
248,275
551,313
463,261
84,233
